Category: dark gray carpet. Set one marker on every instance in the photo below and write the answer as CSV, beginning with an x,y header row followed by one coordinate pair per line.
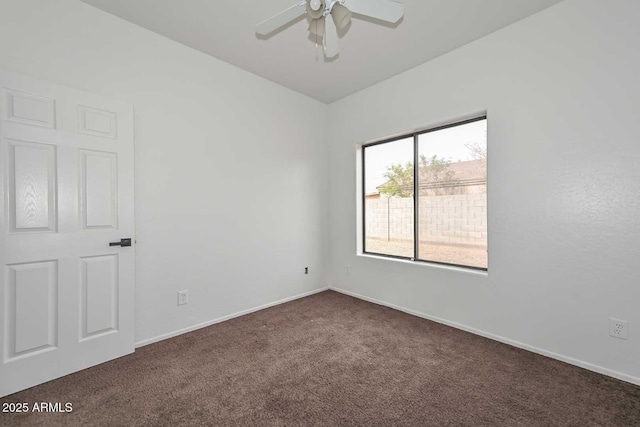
x,y
330,359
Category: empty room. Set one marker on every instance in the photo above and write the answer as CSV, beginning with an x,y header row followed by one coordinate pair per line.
x,y
319,213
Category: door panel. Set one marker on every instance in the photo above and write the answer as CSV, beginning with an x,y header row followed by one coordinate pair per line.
x,y
32,186
98,122
99,189
67,184
30,109
99,299
32,308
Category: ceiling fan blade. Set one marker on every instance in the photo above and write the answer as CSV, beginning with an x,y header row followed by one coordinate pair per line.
x,y
385,10
283,18
341,16
331,47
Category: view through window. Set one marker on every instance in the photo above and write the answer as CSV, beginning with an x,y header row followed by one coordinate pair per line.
x,y
446,193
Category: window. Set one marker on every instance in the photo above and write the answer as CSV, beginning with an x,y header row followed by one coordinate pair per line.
x,y
435,211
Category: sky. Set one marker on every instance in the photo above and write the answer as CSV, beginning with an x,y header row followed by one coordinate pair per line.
x,y
446,143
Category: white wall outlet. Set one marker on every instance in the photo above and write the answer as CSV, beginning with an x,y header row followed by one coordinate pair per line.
x,y
347,270
183,297
619,328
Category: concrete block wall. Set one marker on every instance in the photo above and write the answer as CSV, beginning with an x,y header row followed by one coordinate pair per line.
x,y
458,219
454,219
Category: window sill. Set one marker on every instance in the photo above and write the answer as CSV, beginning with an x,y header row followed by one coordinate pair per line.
x,y
428,265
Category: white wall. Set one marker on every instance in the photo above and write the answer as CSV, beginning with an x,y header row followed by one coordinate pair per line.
x,y
231,170
561,89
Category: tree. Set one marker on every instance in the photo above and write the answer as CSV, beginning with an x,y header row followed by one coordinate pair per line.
x,y
431,170
477,151
435,170
399,181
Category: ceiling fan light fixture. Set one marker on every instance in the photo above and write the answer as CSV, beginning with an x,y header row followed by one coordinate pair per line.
x,y
341,16
315,8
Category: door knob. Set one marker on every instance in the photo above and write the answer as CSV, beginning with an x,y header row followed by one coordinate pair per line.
x,y
122,242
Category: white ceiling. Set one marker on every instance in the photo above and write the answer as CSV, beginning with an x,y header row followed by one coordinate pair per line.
x,y
369,51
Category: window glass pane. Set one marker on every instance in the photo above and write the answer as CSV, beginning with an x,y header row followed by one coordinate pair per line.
x,y
452,195
388,207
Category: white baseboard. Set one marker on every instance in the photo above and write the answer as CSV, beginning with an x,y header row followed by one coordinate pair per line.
x,y
560,357
224,318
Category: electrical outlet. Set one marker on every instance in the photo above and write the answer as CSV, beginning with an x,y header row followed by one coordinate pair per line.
x,y
347,270
619,328
183,297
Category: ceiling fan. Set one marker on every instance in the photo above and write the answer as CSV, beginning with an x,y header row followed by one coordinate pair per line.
x,y
340,11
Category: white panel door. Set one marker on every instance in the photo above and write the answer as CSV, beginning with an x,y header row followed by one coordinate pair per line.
x,y
67,296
